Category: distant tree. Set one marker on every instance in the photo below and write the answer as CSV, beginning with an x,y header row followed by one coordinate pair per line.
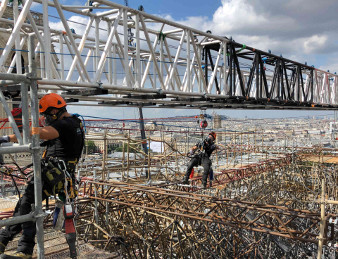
x,y
131,150
109,149
120,148
91,146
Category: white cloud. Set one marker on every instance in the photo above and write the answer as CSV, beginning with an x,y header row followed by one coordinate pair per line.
x,y
236,15
315,43
294,28
78,25
199,22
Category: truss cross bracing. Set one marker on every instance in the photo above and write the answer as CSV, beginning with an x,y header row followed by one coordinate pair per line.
x,y
109,54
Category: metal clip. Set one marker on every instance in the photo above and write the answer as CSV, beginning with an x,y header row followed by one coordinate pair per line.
x,y
333,221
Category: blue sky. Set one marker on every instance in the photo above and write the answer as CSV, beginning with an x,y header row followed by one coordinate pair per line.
x,y
301,30
177,9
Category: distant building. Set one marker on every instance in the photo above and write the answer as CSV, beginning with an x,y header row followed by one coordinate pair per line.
x,y
153,126
217,121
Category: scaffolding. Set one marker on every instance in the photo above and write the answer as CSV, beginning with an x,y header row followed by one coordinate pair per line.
x,y
26,141
274,202
265,200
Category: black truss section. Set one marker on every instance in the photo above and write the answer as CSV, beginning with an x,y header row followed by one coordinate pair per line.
x,y
286,86
90,92
235,102
146,96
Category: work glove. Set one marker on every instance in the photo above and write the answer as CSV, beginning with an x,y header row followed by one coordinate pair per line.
x,y
4,139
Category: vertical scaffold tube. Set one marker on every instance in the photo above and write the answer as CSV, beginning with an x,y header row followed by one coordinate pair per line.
x,y
36,150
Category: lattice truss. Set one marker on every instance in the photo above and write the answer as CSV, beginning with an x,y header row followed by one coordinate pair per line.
x,y
162,222
110,54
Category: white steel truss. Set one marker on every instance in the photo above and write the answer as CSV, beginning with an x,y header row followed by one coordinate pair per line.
x,y
120,56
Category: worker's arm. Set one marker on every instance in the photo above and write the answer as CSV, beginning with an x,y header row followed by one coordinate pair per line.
x,y
45,133
193,149
48,133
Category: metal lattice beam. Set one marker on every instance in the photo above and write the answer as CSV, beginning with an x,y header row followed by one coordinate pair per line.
x,y
163,58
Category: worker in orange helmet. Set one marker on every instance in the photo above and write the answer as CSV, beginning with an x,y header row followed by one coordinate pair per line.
x,y
64,141
200,155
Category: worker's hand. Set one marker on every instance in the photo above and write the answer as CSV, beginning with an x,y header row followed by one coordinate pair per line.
x,y
4,139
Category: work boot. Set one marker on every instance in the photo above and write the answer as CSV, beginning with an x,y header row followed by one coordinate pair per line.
x,y
204,186
19,255
2,248
185,181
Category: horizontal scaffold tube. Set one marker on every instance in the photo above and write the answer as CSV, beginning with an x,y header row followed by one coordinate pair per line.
x,y
17,220
15,148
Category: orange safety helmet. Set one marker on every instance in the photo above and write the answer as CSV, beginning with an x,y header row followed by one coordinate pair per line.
x,y
51,100
213,134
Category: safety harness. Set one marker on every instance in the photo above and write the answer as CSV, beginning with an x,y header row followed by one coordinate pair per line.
x,y
59,179
57,174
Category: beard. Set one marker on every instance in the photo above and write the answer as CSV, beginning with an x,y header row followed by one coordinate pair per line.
x,y
49,119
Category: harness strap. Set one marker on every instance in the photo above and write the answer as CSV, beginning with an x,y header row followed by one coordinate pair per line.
x,y
58,176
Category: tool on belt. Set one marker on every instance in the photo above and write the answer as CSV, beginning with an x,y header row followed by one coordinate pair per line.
x,y
58,180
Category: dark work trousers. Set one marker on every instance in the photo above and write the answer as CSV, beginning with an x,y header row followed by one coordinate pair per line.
x,y
24,206
203,160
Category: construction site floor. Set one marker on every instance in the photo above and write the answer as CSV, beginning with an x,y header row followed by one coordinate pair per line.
x,y
56,247
55,242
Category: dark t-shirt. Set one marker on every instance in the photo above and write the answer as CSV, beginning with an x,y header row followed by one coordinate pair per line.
x,y
207,147
70,142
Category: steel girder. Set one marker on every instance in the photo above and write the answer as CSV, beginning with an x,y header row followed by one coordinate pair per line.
x,y
164,64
